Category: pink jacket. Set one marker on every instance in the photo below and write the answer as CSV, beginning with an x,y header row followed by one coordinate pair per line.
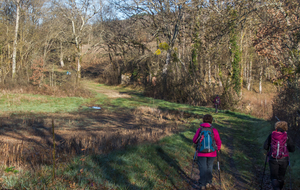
x,y
217,139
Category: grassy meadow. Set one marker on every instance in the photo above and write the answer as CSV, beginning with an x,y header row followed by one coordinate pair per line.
x,y
165,163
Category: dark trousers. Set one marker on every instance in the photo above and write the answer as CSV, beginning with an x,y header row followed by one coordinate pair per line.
x,y
205,165
216,106
278,170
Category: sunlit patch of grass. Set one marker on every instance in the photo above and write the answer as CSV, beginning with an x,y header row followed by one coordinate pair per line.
x,y
39,103
225,149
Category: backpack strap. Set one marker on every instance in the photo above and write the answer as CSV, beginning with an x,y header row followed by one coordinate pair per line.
x,y
198,139
211,127
215,144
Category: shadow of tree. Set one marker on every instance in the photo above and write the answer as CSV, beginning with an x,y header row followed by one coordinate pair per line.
x,y
174,164
113,175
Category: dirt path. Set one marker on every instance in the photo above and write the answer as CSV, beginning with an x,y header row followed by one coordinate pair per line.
x,y
240,157
194,176
238,181
93,86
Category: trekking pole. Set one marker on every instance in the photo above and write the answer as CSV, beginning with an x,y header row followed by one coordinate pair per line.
x,y
193,164
262,181
219,170
290,175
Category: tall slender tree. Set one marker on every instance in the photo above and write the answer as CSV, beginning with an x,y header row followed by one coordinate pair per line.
x,y
14,54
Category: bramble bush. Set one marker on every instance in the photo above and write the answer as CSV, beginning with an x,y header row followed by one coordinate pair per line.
x,y
37,71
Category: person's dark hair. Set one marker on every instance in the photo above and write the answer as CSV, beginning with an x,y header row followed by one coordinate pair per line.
x,y
207,118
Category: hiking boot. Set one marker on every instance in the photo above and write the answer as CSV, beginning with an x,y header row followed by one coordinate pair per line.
x,y
281,184
275,184
195,186
208,185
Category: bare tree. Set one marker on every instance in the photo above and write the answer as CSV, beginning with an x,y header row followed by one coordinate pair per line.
x,y
77,15
164,19
14,55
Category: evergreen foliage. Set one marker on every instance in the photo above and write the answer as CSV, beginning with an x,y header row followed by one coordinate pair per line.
x,y
236,54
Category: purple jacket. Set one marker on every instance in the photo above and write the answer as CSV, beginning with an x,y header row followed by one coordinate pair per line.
x,y
217,139
215,101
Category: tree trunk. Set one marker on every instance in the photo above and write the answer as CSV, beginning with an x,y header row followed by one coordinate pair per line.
x,y
8,44
62,64
52,76
165,73
201,73
79,58
43,67
78,68
245,70
242,81
8,51
220,82
215,74
260,79
209,72
249,76
15,40
1,63
21,58
241,64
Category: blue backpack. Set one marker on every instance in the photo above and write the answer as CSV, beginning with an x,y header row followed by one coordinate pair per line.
x,y
206,141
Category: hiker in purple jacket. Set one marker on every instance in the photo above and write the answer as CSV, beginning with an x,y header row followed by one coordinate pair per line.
x,y
205,160
217,102
279,144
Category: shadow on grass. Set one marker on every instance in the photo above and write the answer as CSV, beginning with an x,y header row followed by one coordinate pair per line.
x,y
239,134
174,164
243,116
111,174
156,169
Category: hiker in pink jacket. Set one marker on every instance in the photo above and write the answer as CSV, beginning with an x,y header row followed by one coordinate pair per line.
x,y
207,148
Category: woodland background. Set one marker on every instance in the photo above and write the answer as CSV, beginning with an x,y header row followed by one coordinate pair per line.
x,y
184,51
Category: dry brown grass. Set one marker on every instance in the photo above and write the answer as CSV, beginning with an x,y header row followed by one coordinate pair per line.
x,y
256,104
227,181
68,88
27,139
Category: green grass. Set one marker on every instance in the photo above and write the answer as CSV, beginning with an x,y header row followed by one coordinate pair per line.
x,y
147,166
162,165
39,103
47,104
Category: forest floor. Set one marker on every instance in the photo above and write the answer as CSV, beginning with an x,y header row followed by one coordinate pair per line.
x,y
132,142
